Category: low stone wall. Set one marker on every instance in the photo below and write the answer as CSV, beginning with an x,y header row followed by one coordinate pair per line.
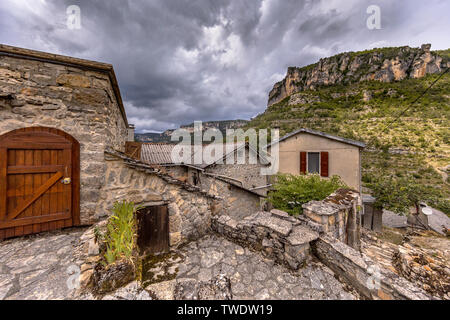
x,y
339,215
358,270
276,234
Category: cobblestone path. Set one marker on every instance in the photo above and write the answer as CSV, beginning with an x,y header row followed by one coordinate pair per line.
x,y
37,267
254,277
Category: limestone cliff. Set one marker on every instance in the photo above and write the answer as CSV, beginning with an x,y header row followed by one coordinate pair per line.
x,y
385,65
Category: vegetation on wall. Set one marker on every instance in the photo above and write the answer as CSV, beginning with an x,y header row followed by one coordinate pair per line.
x,y
120,237
290,192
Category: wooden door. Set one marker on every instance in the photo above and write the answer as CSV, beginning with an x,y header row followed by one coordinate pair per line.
x,y
153,230
39,181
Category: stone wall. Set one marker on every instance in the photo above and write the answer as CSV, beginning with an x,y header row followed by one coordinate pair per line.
x,y
276,234
339,215
190,210
237,202
362,273
248,174
82,103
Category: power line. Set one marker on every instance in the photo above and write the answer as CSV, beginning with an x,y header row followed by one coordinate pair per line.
x,y
417,99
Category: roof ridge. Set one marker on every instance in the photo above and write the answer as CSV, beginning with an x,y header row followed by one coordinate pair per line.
x,y
359,144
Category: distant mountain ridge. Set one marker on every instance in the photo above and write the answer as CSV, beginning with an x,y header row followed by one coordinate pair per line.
x,y
165,137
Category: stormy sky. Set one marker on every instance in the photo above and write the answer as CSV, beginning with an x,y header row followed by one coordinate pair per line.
x,y
180,61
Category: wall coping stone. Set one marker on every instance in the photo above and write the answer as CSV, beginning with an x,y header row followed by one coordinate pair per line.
x,y
345,250
300,235
280,226
279,213
322,208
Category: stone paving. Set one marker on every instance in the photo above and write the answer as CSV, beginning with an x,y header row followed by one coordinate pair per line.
x,y
36,267
252,276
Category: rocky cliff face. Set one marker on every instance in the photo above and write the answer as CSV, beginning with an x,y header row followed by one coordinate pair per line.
x,y
385,65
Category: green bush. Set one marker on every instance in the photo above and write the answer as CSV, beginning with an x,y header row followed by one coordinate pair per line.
x,y
121,231
291,191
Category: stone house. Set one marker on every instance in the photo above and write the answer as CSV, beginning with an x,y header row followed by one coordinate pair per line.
x,y
309,151
63,131
242,186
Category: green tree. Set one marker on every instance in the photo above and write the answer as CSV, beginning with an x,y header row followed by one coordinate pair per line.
x,y
399,194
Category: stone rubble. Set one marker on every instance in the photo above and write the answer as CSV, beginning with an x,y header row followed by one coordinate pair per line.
x,y
364,274
132,291
430,272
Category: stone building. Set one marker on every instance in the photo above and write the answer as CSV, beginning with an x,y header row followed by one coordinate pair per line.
x,y
242,186
63,130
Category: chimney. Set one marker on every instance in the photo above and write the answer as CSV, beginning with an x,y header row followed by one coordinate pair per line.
x,y
130,133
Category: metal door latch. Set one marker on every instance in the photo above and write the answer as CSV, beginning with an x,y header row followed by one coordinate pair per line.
x,y
66,181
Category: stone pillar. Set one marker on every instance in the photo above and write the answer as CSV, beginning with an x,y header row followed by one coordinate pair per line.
x,y
339,215
373,217
377,224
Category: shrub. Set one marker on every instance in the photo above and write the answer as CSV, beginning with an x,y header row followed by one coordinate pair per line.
x,y
291,191
121,231
442,205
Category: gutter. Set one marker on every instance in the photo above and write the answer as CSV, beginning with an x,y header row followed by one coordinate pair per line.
x,y
262,187
224,177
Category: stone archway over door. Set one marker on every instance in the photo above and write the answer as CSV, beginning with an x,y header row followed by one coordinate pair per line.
x,y
39,181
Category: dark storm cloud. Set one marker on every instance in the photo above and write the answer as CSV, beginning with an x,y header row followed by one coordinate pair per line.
x,y
180,61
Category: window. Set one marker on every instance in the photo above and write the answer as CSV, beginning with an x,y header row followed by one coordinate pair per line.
x,y
313,162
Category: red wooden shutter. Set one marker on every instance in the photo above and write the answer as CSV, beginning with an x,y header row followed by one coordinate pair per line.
x,y
303,162
324,164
